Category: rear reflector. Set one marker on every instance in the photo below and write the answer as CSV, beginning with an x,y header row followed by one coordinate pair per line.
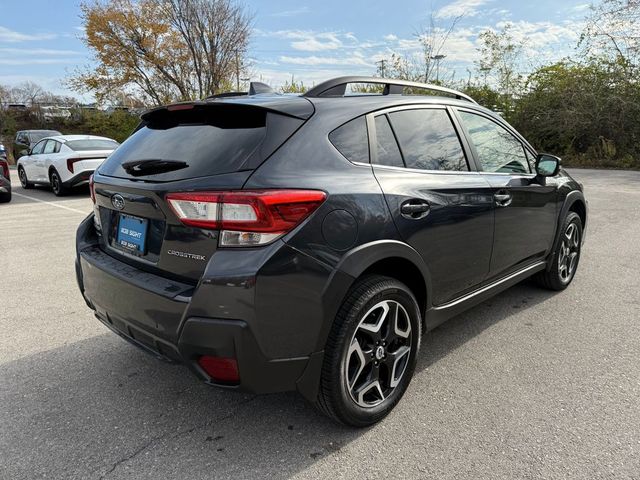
x,y
220,369
246,218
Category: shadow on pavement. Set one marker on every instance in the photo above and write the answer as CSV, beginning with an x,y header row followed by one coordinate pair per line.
x,y
99,407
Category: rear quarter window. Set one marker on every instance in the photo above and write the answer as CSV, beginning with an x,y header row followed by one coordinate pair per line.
x,y
352,140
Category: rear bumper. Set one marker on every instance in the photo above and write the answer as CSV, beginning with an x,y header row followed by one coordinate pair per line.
x,y
5,184
166,318
78,179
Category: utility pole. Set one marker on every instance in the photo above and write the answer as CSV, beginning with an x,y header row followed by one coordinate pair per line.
x,y
237,71
437,58
381,62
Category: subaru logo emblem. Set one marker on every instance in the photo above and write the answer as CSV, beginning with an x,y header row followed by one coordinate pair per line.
x,y
117,201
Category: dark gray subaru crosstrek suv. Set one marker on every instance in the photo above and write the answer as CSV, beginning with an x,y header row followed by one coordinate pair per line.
x,y
274,242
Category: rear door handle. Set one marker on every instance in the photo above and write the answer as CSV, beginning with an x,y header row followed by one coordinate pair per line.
x,y
415,209
502,198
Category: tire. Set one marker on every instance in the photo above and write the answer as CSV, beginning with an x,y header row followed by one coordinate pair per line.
x,y
5,197
22,175
353,359
566,256
57,187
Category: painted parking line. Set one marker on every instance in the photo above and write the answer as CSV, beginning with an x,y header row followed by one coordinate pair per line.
x,y
53,204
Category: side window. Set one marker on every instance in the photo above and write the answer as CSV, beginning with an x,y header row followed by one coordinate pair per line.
x,y
22,138
387,147
39,147
498,150
50,147
352,140
428,140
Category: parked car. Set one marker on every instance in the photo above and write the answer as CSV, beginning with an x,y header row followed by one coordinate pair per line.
x,y
5,179
306,243
3,151
63,161
26,139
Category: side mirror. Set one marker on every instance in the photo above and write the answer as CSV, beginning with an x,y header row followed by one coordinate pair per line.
x,y
28,152
547,165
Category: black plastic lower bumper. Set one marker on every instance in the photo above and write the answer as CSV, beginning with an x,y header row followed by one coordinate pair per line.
x,y
79,179
151,312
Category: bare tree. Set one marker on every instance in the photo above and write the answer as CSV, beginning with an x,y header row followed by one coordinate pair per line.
x,y
425,65
614,26
27,92
216,33
163,50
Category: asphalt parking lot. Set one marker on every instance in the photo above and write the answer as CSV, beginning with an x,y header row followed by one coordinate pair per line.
x,y
530,384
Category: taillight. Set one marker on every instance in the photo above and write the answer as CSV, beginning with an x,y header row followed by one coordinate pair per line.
x,y
92,189
246,218
5,168
70,162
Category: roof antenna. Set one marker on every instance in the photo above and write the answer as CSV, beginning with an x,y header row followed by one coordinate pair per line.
x,y
259,87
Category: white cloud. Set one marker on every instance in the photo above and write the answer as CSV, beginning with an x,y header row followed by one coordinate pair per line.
x,y
37,61
12,36
310,41
583,7
314,60
468,8
537,36
291,13
318,42
37,51
390,38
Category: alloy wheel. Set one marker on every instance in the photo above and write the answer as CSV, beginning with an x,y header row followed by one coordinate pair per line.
x,y
23,177
569,252
378,353
55,183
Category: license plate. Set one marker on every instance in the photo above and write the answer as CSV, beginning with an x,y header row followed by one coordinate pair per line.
x,y
132,233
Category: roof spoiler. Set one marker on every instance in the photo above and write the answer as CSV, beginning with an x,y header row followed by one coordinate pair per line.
x,y
336,87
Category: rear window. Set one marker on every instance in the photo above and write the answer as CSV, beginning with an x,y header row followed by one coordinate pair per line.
x,y
210,142
91,144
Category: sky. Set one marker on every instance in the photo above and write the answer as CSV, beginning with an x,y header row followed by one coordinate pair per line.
x,y
40,40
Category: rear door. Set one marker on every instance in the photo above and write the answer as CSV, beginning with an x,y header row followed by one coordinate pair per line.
x,y
44,159
525,207
441,207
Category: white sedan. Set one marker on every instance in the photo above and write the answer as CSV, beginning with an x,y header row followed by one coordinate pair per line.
x,y
64,161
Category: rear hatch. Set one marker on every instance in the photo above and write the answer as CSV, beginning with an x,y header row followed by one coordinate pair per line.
x,y
201,146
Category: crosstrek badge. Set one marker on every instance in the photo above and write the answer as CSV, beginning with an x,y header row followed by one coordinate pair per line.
x,y
192,256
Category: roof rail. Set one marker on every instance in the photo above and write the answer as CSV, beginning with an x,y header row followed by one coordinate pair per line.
x,y
336,87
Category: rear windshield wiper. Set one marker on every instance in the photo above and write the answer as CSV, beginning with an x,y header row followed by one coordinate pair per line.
x,y
137,168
